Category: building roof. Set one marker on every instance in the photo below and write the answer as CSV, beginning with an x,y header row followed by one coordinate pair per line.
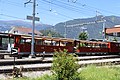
x,y
113,30
23,30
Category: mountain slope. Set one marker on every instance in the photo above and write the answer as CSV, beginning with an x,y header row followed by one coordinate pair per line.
x,y
6,25
93,30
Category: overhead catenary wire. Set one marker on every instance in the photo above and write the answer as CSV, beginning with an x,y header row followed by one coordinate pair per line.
x,y
11,3
71,8
61,14
76,8
84,5
43,9
97,9
12,16
6,15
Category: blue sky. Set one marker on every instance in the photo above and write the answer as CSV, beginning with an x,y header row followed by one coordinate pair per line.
x,y
55,11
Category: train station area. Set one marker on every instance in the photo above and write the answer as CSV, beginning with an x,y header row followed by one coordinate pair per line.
x,y
114,31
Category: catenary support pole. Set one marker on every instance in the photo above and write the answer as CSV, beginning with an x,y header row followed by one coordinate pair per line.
x,y
32,55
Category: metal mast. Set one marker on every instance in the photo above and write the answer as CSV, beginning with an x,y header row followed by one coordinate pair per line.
x,y
32,45
33,18
65,30
104,21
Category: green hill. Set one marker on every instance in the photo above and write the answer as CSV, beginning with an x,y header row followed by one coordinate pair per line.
x,y
94,29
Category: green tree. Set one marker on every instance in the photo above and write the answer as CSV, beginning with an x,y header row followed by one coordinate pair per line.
x,y
65,66
115,39
83,36
50,33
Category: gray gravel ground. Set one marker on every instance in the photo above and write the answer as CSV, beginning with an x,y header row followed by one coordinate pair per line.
x,y
32,74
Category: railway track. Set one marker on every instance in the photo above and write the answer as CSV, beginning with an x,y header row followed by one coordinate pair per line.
x,y
37,64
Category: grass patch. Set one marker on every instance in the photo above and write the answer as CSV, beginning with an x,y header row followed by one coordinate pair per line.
x,y
24,78
102,73
46,77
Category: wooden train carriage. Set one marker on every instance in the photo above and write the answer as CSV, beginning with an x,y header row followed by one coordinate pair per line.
x,y
92,47
114,47
47,44
50,44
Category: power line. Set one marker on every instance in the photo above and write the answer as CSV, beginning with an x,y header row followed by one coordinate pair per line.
x,y
98,9
16,4
12,16
78,8
6,15
11,3
49,2
67,7
58,13
83,5
90,7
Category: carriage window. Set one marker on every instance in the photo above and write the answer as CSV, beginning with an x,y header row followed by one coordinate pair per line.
x,y
89,45
82,45
28,40
11,40
47,42
103,45
25,41
63,43
57,43
69,44
4,43
22,41
39,42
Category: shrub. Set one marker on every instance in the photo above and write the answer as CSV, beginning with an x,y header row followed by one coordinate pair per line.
x,y
64,66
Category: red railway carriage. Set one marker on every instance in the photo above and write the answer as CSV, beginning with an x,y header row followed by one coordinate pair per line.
x,y
92,47
50,44
98,47
47,44
114,47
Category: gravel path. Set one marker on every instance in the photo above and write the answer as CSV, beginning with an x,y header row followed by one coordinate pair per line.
x,y
32,74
